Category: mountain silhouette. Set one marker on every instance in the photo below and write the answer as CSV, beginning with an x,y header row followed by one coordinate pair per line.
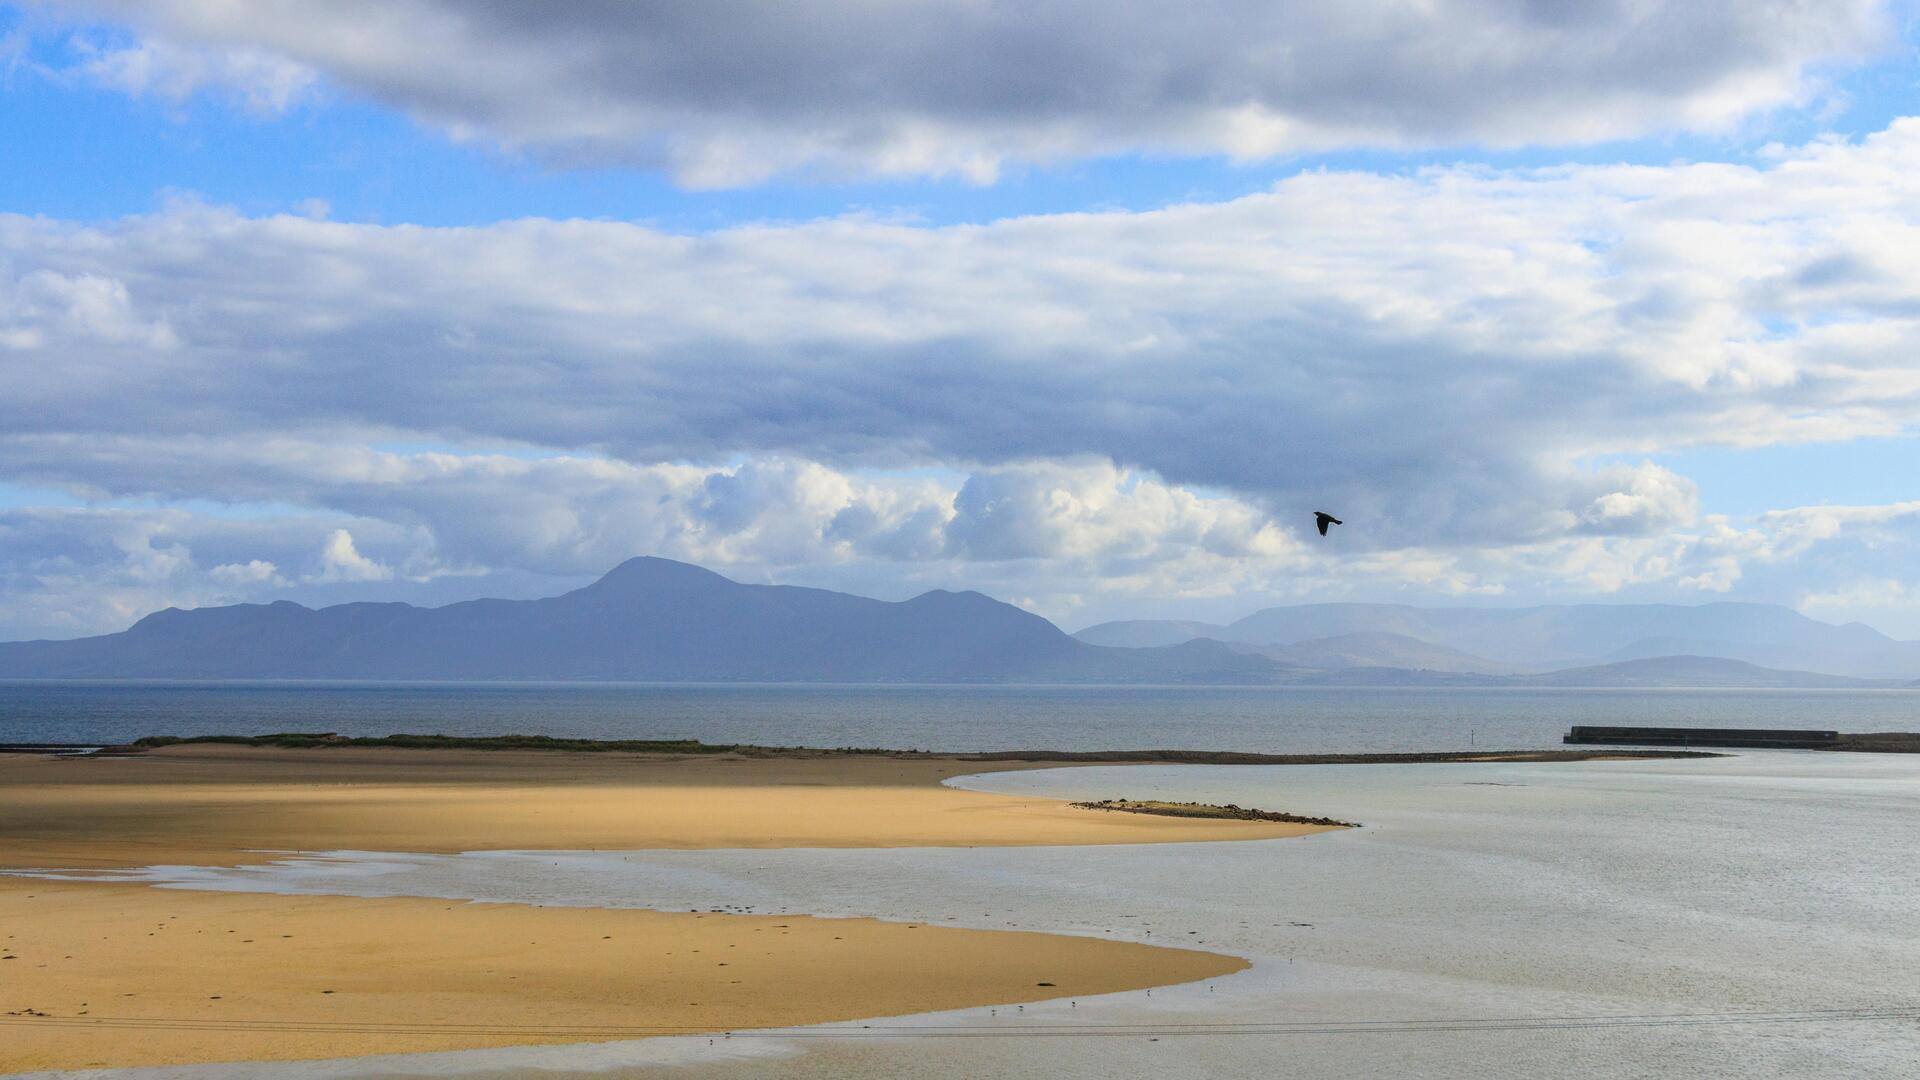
x,y
647,619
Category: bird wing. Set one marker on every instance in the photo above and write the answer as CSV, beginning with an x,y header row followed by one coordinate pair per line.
x,y
1322,522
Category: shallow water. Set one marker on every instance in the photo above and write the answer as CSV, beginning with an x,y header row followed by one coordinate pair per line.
x,y
1262,719
1508,901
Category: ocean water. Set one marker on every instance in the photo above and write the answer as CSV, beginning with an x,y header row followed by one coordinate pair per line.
x,y
1751,915
1261,719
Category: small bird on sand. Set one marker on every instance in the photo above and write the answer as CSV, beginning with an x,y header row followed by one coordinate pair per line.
x,y
1322,520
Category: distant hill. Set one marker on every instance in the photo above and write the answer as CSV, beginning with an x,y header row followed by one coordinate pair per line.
x,y
1696,671
1665,672
1149,633
1574,635
1380,649
647,619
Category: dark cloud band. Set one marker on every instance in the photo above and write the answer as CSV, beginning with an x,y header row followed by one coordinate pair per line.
x,y
733,91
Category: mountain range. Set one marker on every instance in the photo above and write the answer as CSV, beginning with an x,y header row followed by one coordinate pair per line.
x,y
648,619
654,619
1542,639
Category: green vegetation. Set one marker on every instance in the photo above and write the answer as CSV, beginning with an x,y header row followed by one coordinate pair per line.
x,y
1229,812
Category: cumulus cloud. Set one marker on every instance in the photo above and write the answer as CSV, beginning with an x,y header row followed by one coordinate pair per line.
x,y
730,93
1638,501
42,308
1833,562
1863,593
253,572
576,514
1812,543
1068,510
341,561
69,571
263,83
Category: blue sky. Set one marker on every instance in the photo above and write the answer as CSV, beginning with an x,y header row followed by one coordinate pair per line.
x,y
944,330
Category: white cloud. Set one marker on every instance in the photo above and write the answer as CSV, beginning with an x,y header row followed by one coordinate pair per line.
x,y
1866,593
733,93
43,308
1646,499
1096,511
341,561
252,573
69,572
262,82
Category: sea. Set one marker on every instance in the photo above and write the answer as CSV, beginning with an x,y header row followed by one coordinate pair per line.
x,y
953,718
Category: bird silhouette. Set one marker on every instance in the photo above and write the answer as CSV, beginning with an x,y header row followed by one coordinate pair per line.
x,y
1322,520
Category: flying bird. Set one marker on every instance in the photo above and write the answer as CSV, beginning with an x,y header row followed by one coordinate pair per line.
x,y
1322,520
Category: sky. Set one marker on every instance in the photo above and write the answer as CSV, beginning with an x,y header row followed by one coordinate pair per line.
x,y
1086,305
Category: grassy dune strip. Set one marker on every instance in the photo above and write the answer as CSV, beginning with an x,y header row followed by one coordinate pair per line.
x,y
1228,812
302,740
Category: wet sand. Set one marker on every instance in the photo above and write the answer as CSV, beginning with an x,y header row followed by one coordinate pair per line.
x,y
108,962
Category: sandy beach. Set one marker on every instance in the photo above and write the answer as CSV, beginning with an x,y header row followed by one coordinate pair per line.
x,y
128,975
178,976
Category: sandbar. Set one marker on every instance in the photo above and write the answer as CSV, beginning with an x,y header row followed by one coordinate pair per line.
x,y
207,804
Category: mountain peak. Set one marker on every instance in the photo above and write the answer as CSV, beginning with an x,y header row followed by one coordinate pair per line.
x,y
939,595
654,574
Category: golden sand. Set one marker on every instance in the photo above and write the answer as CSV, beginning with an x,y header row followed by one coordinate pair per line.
x,y
171,976
236,976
